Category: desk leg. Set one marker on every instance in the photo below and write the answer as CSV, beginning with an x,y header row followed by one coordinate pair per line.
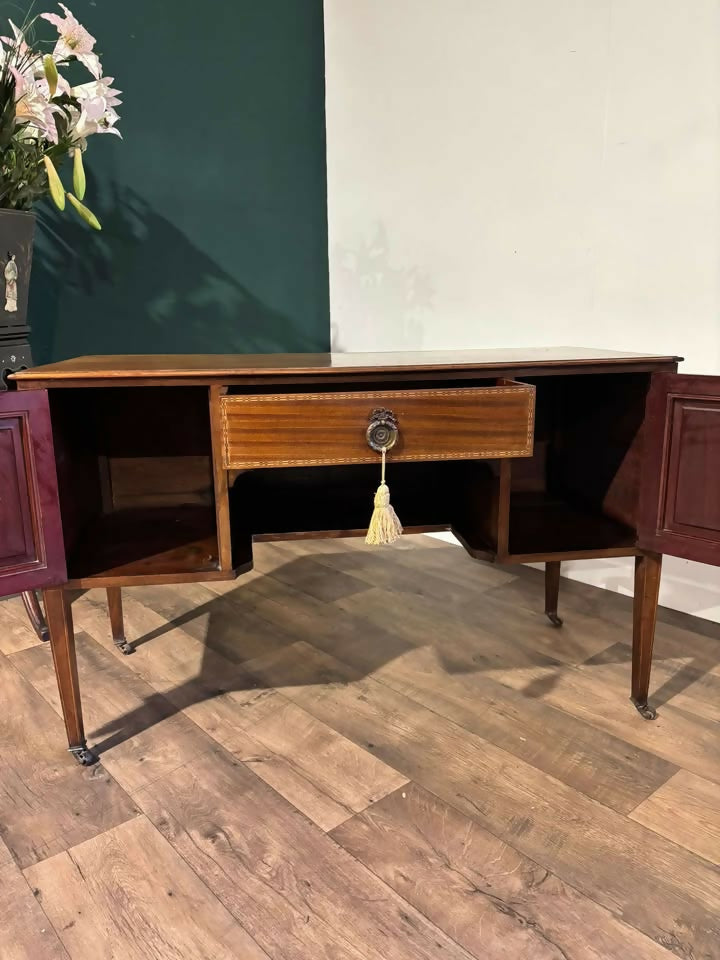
x,y
62,644
552,592
114,596
35,615
647,588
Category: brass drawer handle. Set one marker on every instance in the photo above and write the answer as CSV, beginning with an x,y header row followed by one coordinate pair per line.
x,y
382,431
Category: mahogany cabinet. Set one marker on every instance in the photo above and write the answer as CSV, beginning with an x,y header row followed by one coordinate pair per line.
x,y
167,469
680,510
31,544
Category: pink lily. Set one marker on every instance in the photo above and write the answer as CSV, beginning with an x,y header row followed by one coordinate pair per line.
x,y
97,88
74,40
32,108
94,117
18,45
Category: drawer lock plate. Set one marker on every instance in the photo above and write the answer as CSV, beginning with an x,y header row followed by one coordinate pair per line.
x,y
382,431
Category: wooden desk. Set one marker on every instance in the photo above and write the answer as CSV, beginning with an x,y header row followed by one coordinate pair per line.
x,y
166,469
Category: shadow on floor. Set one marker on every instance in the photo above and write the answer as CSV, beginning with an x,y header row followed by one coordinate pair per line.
x,y
360,647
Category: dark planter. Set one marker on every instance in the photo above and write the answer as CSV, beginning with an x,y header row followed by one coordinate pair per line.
x,y
17,229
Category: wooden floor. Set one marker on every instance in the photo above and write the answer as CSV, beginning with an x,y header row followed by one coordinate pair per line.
x,y
388,755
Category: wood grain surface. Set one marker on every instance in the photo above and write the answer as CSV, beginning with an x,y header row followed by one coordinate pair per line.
x,y
226,366
130,889
687,810
228,825
493,900
351,754
310,429
25,930
17,633
46,803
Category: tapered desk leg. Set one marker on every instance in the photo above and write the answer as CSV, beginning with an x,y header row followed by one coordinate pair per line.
x,y
114,596
35,615
647,589
552,592
62,644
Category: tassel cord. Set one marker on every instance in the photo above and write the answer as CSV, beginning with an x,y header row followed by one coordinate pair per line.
x,y
384,526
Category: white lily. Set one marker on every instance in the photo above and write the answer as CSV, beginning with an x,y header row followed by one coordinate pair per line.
x,y
32,107
97,88
94,117
62,86
29,63
52,119
74,40
18,45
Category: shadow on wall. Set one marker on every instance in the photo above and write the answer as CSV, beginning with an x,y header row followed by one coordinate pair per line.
x,y
142,285
213,205
386,304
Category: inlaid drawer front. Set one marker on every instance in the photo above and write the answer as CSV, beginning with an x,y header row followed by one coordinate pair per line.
x,y
308,429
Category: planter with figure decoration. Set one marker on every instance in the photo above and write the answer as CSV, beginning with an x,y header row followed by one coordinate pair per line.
x,y
48,109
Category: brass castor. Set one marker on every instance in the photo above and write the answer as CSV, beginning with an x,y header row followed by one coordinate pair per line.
x,y
644,709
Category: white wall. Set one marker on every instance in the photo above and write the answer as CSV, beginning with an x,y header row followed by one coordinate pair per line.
x,y
515,173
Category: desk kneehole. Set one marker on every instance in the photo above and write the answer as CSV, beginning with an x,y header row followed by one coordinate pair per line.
x,y
314,429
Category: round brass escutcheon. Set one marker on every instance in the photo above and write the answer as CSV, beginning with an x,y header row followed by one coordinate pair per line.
x,y
382,432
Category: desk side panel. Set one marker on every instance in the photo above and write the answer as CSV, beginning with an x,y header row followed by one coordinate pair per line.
x,y
32,554
680,512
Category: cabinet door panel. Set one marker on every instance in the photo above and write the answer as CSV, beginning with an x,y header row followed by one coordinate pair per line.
x,y
680,508
31,546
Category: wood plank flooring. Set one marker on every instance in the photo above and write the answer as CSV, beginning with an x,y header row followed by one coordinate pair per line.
x,y
357,754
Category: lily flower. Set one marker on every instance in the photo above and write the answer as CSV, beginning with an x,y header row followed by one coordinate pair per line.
x,y
94,117
96,101
107,122
52,119
32,108
97,88
62,86
17,47
73,40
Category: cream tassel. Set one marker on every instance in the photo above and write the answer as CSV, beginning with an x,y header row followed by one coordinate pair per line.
x,y
384,525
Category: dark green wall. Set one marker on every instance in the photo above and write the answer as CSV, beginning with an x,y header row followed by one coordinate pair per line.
x,y
214,204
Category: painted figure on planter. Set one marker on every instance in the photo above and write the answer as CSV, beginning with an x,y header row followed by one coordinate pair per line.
x,y
11,278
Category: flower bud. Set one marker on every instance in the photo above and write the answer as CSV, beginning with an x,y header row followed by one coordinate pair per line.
x,y
78,174
87,215
55,184
51,74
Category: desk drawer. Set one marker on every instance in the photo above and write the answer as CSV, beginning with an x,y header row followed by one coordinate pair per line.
x,y
310,429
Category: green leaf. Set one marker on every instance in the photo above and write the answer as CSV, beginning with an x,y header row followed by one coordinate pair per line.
x,y
87,215
7,118
79,174
55,184
51,74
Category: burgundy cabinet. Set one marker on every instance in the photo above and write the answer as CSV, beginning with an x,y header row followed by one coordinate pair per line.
x,y
680,506
31,544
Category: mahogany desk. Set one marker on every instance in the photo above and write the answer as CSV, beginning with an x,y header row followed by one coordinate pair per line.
x,y
128,470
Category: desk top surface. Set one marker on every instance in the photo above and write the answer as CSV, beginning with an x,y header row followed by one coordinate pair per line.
x,y
216,367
